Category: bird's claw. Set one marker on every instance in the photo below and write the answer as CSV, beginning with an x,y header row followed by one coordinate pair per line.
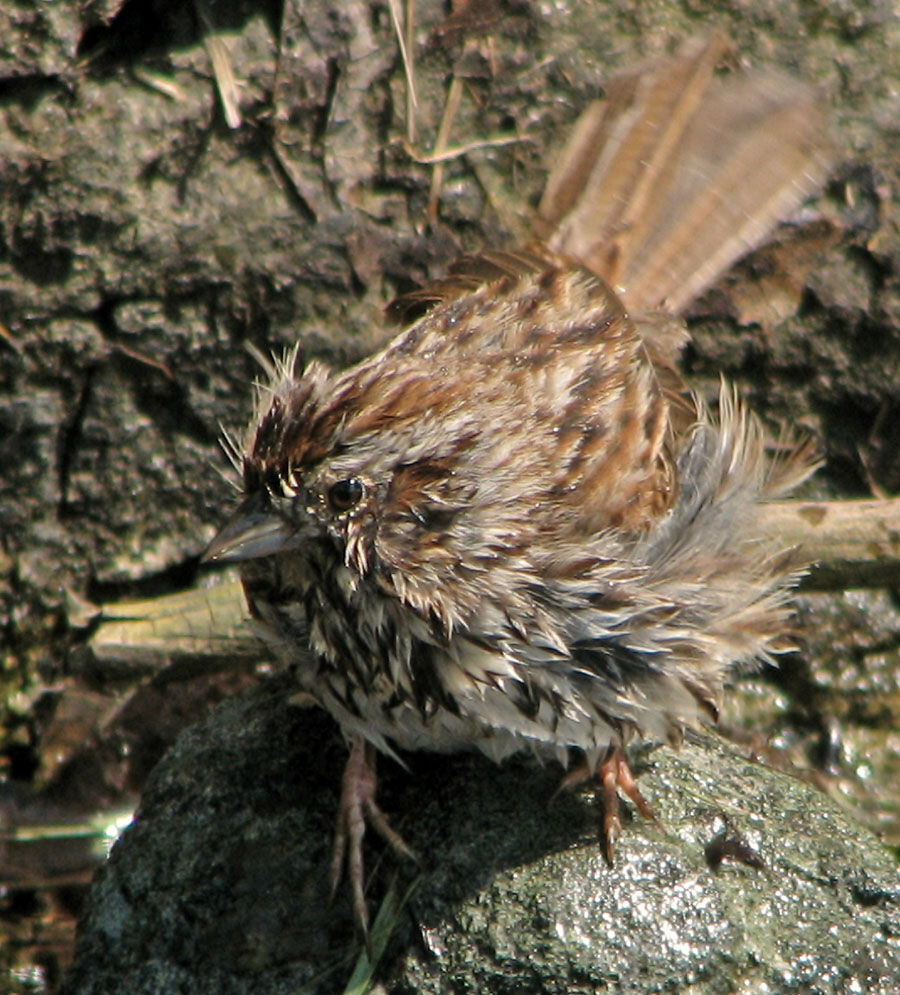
x,y
358,807
614,775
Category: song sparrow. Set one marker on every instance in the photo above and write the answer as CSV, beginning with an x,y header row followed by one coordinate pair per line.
x,y
515,528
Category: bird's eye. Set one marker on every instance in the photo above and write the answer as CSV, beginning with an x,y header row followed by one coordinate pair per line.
x,y
344,494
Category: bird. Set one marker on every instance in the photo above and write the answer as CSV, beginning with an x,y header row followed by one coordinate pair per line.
x,y
515,528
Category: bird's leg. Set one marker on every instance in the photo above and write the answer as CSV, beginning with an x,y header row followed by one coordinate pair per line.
x,y
614,775
357,806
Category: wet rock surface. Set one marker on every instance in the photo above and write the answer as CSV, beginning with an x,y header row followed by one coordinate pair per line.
x,y
220,885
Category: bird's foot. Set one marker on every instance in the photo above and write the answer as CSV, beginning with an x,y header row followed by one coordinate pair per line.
x,y
614,775
358,807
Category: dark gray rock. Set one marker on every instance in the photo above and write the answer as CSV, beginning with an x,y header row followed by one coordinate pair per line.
x,y
220,885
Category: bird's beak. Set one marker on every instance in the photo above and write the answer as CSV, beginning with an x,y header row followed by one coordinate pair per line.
x,y
251,533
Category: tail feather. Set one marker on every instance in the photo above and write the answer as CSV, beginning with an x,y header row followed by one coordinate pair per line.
x,y
676,174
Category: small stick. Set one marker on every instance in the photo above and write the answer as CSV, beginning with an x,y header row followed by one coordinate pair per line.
x,y
851,544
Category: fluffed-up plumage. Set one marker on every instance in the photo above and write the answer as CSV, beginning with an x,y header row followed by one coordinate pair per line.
x,y
515,527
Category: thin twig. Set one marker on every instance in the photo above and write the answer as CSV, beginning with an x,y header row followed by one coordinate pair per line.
x,y
407,54
220,60
461,150
451,108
